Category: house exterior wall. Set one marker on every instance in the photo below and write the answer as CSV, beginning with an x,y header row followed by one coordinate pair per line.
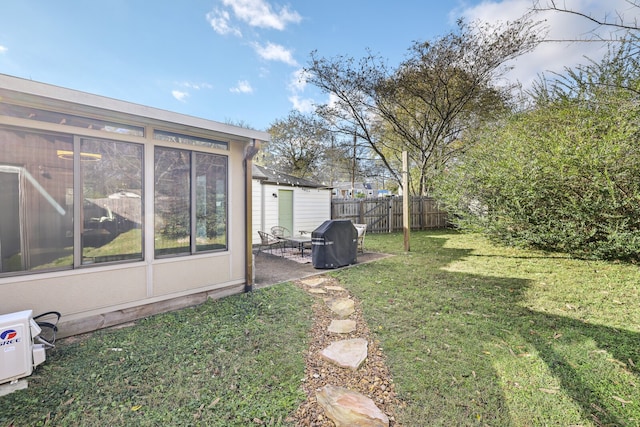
x,y
311,207
257,205
100,295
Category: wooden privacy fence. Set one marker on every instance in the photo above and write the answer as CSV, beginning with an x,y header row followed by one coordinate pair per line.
x,y
384,214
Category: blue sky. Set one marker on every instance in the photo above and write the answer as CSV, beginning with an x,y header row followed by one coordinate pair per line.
x,y
238,60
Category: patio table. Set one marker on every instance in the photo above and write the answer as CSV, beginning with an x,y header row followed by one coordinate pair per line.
x,y
299,242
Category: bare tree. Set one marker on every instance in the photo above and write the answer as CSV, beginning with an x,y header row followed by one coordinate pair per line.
x,y
426,104
298,143
615,20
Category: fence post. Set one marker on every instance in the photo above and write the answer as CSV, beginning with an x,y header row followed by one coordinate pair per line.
x,y
406,219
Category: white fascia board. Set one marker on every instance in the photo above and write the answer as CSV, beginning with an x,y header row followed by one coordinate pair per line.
x,y
58,93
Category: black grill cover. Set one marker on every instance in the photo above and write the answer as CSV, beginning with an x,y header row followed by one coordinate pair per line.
x,y
334,244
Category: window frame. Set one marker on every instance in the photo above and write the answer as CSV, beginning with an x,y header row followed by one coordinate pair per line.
x,y
203,145
78,205
193,202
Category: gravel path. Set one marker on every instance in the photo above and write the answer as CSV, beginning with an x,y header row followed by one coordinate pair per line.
x,y
371,379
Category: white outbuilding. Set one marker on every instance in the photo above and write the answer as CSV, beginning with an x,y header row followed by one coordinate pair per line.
x,y
280,199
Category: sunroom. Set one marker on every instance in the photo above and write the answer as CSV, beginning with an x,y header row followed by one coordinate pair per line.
x,y
110,211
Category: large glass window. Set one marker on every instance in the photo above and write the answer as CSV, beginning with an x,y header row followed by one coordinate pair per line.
x,y
211,202
70,201
36,202
172,196
190,202
112,201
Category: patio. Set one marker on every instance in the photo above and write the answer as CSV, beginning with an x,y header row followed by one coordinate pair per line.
x,y
271,269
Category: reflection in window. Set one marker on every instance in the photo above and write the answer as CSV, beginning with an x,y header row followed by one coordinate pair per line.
x,y
189,140
211,202
112,201
172,188
69,120
183,210
36,202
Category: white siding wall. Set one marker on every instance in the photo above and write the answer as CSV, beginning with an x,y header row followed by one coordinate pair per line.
x,y
270,206
311,207
256,210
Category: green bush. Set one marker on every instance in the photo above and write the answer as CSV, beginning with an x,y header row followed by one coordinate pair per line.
x,y
563,176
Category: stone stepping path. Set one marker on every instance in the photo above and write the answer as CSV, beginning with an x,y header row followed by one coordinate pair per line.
x,y
314,281
349,408
342,307
343,406
342,326
347,353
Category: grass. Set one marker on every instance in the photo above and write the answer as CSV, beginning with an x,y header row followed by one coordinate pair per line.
x,y
481,335
474,335
229,362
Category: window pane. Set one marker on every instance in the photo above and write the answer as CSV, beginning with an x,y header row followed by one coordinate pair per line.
x,y
36,202
211,202
189,140
69,120
172,201
112,201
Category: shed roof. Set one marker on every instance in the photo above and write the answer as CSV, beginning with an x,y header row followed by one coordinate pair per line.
x,y
272,176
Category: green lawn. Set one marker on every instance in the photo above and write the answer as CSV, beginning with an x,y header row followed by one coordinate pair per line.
x,y
230,362
474,335
481,335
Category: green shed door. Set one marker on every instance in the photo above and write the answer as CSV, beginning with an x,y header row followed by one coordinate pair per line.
x,y
285,209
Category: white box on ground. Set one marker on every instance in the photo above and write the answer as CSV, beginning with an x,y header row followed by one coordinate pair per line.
x,y
18,354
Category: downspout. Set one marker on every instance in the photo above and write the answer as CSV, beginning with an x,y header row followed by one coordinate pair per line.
x,y
249,151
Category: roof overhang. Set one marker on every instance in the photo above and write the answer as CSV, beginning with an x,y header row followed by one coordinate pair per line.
x,y
29,92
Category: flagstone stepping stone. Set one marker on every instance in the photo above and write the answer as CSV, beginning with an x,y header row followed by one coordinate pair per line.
x,y
318,291
334,288
342,326
349,408
343,307
347,353
314,281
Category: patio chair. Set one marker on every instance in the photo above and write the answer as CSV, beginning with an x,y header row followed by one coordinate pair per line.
x,y
362,231
269,241
280,231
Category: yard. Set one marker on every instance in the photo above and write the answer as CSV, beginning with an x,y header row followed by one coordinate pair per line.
x,y
473,334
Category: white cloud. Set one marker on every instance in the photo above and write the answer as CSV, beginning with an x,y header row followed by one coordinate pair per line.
x,y
298,81
3,49
264,72
555,56
243,86
220,22
303,105
196,86
275,52
259,13
180,95
297,85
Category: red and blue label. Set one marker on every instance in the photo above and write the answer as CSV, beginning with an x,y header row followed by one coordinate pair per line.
x,y
8,337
